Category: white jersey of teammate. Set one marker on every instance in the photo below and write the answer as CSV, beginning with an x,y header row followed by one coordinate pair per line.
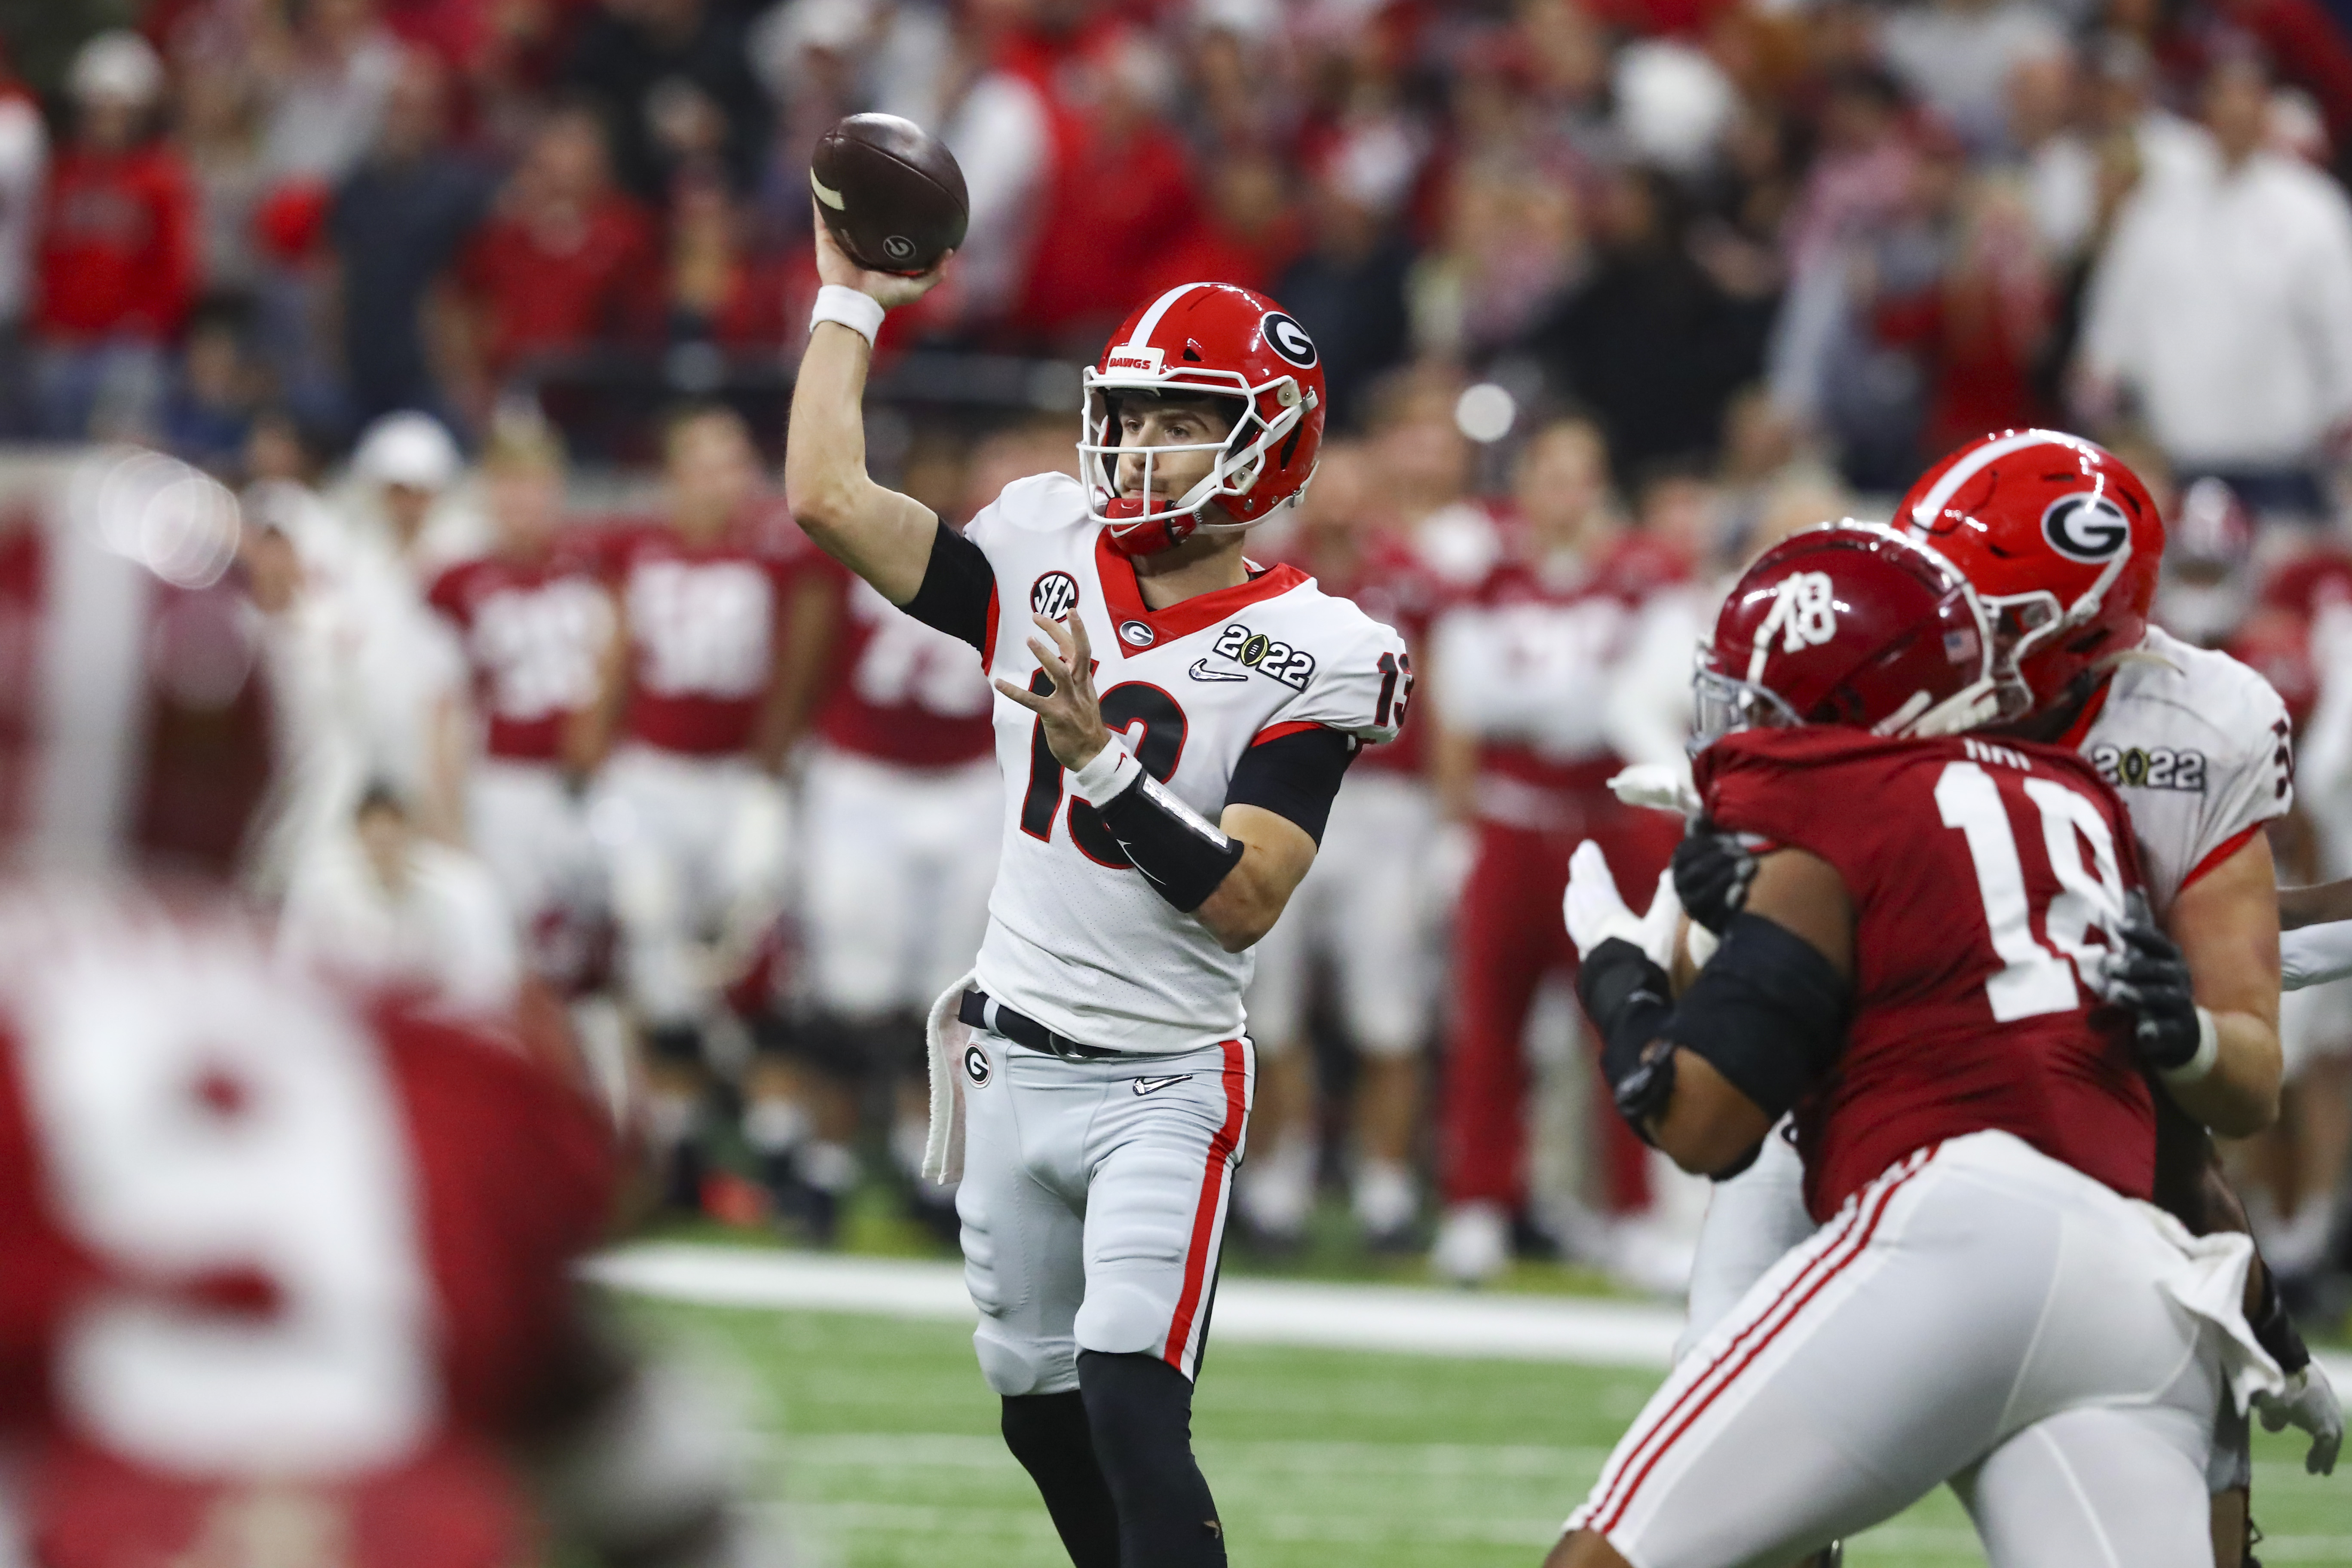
x,y
1191,688
2197,745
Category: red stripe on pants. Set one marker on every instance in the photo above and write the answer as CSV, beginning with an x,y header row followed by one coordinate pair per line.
x,y
1825,1265
1508,936
1204,1214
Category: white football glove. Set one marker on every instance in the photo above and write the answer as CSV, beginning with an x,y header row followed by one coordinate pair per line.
x,y
2307,1403
1595,910
1659,786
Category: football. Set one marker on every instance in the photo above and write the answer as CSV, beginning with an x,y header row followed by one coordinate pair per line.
x,y
890,193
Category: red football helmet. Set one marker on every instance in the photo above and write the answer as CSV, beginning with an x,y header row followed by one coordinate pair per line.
x,y
1854,624
2058,537
1215,340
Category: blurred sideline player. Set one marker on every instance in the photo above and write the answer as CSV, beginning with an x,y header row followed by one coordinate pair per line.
x,y
289,1266
388,907
901,806
536,623
2062,542
1092,1078
1365,910
1991,1300
1524,670
704,698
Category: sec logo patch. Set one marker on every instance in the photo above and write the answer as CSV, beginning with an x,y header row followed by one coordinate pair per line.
x,y
1054,595
975,1065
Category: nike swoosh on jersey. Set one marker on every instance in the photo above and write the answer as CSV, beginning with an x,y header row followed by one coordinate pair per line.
x,y
1200,672
1153,1085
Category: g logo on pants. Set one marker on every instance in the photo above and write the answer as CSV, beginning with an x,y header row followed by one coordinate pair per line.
x,y
975,1065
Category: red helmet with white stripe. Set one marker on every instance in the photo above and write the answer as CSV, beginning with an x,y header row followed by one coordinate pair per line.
x,y
1854,624
2058,537
1206,339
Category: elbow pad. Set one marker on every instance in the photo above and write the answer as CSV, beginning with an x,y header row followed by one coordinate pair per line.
x,y
1625,994
1181,853
1769,1013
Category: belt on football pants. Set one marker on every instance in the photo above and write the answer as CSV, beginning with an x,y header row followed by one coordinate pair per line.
x,y
981,1011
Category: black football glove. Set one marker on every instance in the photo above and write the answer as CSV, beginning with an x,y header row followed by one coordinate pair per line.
x,y
2148,976
1712,870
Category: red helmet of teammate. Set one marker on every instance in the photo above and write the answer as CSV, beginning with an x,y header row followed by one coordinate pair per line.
x,y
1854,624
1204,340
2059,538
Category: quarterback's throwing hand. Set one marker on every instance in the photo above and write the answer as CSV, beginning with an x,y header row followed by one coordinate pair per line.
x,y
1071,716
886,289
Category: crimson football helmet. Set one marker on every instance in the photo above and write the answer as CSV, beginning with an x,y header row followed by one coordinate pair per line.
x,y
1854,624
1215,340
2057,536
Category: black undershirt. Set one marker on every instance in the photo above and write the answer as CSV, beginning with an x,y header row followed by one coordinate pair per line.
x,y
1295,776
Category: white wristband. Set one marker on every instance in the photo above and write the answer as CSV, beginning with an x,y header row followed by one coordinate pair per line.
x,y
860,312
1107,775
2209,1051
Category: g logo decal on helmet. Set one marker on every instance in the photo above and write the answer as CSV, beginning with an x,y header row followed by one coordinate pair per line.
x,y
975,1065
1287,339
2085,527
898,247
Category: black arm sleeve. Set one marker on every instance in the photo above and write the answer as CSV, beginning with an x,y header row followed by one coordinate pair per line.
x,y
958,584
1295,776
1769,1011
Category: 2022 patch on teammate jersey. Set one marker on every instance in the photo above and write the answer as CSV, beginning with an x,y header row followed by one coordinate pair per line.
x,y
2198,746
1077,938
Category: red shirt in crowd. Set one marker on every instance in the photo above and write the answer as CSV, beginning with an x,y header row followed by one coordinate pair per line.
x,y
703,626
545,287
118,248
1948,1036
534,633
902,691
330,1308
1130,200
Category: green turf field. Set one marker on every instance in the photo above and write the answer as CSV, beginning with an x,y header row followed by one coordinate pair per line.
x,y
885,1451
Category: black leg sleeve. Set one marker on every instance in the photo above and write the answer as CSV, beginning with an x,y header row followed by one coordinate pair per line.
x,y
1049,1434
1141,1412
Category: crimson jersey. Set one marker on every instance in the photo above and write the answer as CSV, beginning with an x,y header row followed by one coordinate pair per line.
x,y
1392,583
902,691
533,633
275,1263
703,623
1985,878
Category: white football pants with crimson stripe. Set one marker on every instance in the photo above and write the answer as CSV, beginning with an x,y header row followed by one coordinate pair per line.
x,y
1093,1203
1979,1314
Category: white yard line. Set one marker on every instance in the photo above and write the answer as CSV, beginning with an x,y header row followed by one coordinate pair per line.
x,y
1397,1319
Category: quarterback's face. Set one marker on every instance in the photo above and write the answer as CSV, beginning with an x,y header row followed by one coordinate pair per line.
x,y
1201,426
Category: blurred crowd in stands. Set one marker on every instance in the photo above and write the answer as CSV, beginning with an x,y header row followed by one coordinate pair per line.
x,y
1610,294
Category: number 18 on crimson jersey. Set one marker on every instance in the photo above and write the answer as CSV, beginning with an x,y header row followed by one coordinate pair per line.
x,y
1987,879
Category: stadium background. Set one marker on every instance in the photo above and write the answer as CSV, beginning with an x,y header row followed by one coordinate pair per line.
x,y
1779,254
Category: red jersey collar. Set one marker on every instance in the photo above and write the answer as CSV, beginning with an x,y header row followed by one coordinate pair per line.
x,y
1123,596
2072,739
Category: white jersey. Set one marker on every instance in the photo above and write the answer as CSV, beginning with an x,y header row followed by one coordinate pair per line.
x,y
1076,938
2198,746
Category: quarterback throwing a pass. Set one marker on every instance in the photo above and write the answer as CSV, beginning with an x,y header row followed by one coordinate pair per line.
x,y
1173,722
